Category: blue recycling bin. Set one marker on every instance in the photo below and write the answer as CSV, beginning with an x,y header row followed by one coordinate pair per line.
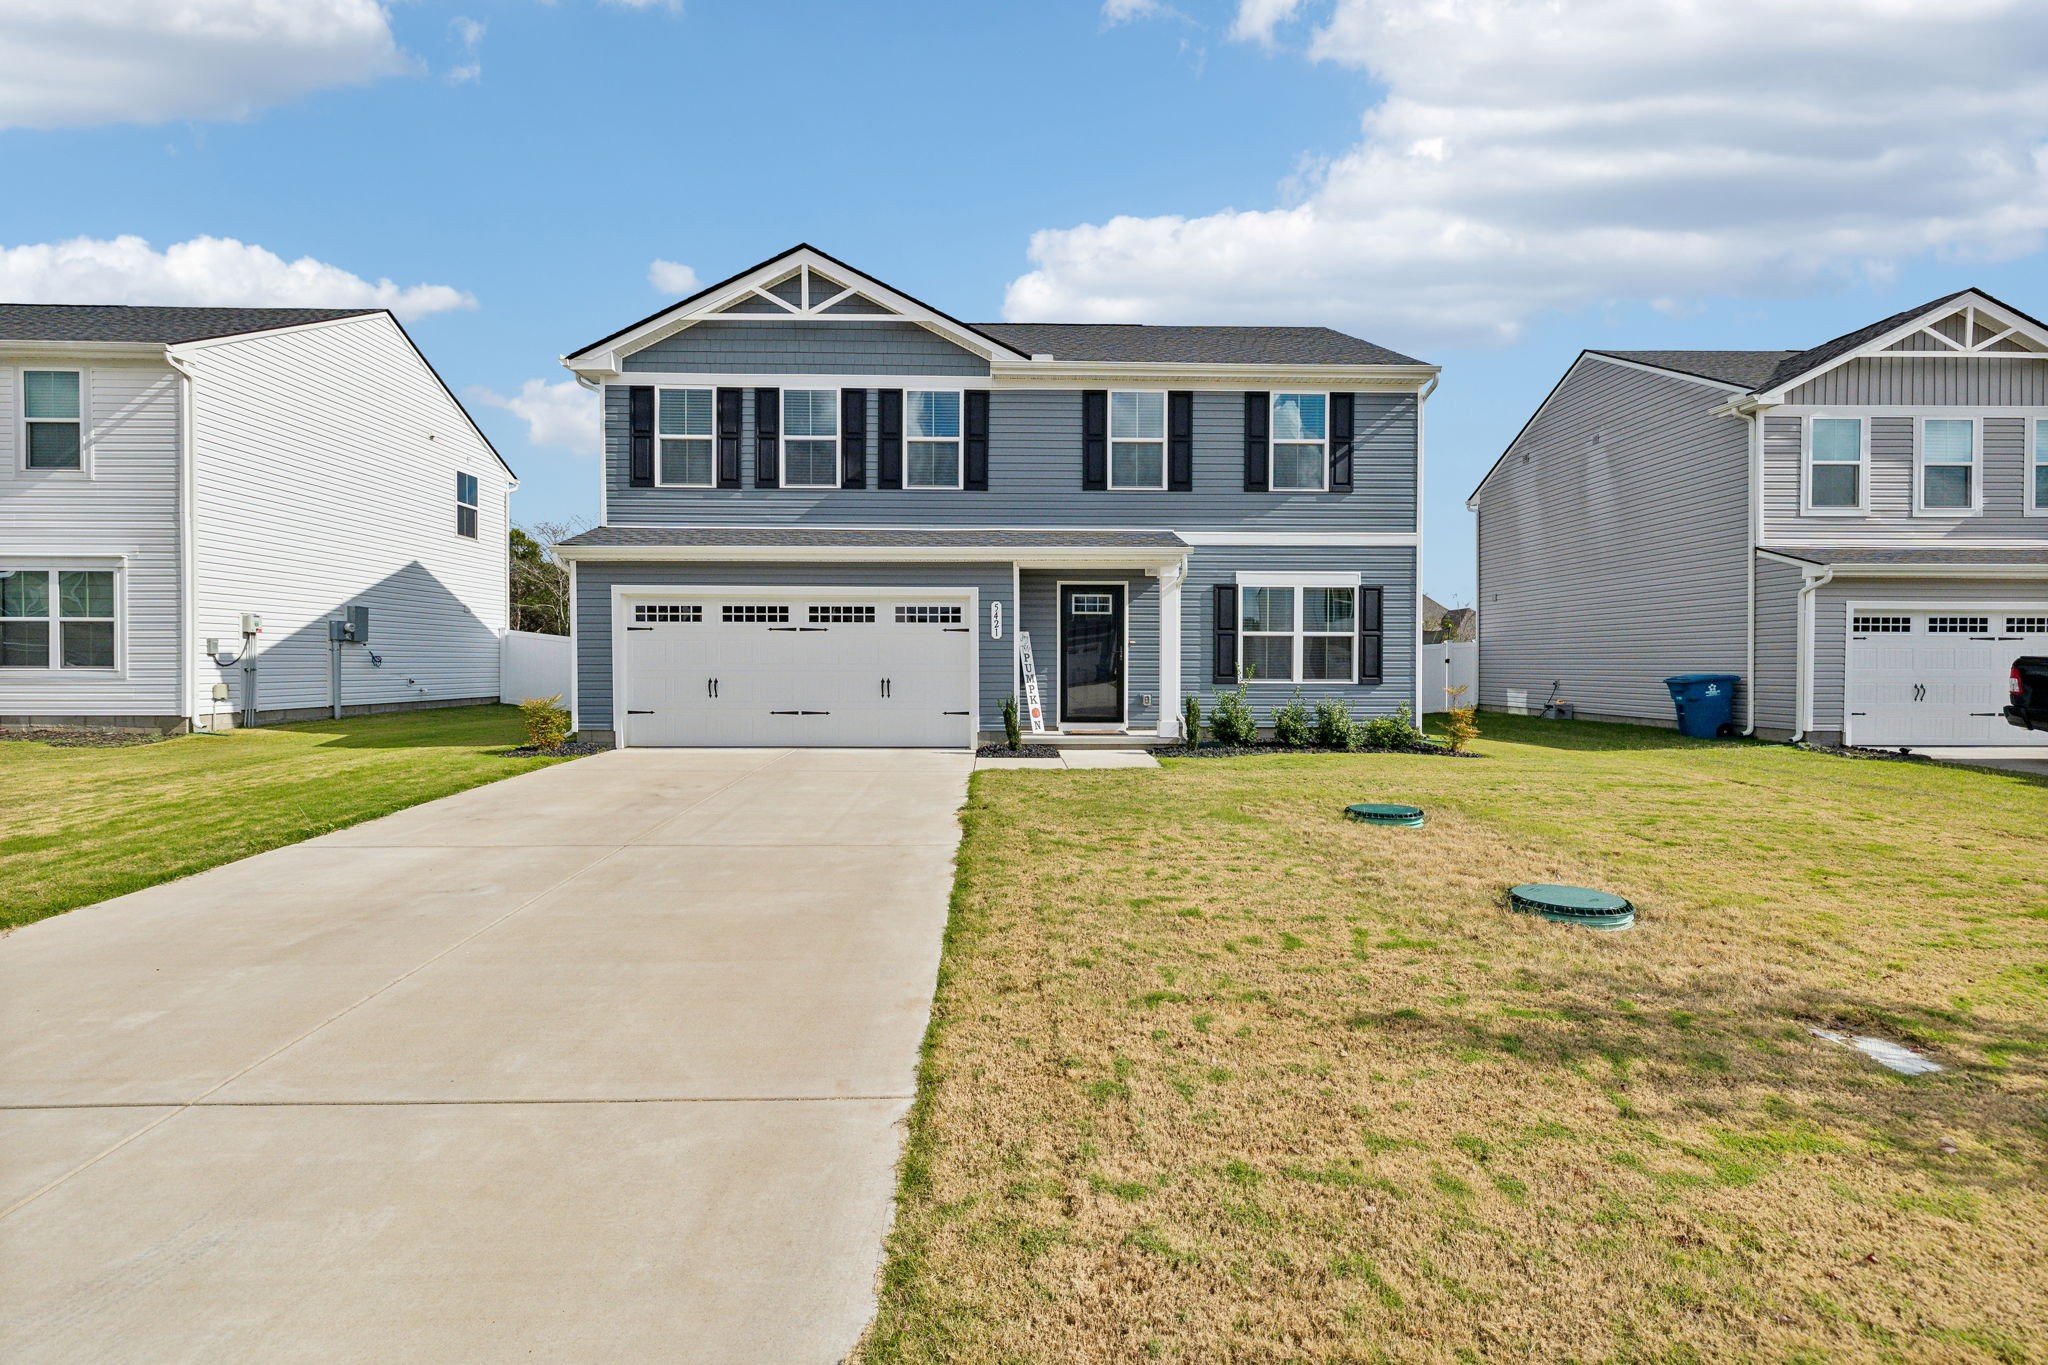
x,y
1705,702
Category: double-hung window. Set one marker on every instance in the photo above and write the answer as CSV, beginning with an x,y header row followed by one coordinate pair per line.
x,y
1834,470
682,426
52,618
931,432
1299,634
1137,440
52,408
465,505
810,430
2037,466
1947,475
1301,461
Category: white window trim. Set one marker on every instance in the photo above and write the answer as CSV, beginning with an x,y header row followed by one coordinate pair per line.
x,y
834,438
2036,460
1920,466
1806,464
1164,418
1300,632
50,567
1273,442
21,425
959,444
712,437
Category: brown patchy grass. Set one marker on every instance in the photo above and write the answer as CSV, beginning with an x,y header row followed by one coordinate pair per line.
x,y
1215,1075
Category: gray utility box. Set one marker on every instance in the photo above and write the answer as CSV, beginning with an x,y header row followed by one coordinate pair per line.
x,y
354,626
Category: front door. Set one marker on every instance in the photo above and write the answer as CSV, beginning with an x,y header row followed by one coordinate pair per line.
x,y
1091,653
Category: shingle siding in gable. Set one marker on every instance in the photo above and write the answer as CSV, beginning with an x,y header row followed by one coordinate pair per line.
x,y
1982,383
807,347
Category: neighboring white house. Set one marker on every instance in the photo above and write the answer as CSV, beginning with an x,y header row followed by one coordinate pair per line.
x,y
170,475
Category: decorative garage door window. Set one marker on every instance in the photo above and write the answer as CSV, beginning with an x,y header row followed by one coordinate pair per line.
x,y
1958,625
1884,625
667,613
2026,625
1093,603
842,616
755,615
927,616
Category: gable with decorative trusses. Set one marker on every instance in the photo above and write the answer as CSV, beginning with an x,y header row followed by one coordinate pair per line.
x,y
1965,350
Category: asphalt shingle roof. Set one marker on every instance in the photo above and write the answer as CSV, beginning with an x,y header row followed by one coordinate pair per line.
x,y
1114,341
1747,368
1899,554
126,322
830,537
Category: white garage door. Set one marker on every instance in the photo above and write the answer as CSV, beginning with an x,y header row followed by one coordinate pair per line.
x,y
1937,676
738,668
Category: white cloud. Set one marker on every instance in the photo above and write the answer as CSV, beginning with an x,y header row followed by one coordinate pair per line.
x,y
1129,11
672,277
560,416
1530,155
206,270
1256,19
470,35
79,63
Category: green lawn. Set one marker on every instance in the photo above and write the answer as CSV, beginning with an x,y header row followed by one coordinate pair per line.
x,y
1215,1075
85,824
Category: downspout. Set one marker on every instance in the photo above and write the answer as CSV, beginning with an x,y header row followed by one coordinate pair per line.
x,y
188,591
1415,667
1803,717
1756,538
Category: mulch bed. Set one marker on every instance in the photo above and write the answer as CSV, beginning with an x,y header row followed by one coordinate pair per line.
x,y
574,748
1269,747
1022,751
65,737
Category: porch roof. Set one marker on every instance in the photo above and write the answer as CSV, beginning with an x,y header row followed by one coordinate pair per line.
x,y
862,542
1909,556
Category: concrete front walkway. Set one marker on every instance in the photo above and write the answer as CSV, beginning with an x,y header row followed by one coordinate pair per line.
x,y
603,1062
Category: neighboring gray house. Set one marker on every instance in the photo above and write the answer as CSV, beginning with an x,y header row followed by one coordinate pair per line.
x,y
1859,530
833,514
167,473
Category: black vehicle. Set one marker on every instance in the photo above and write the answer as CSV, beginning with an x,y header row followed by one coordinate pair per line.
x,y
2029,708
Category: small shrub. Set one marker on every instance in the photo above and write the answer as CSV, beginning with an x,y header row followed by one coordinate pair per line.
x,y
1191,719
1334,727
1461,723
546,720
1392,732
1013,733
1292,725
1231,720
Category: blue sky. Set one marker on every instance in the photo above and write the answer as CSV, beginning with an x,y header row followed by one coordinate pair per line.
x,y
1488,184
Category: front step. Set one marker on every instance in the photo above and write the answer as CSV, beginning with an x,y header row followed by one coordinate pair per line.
x,y
1122,739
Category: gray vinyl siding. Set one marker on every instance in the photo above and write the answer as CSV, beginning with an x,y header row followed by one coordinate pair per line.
x,y
1614,546
1890,519
1390,568
810,347
1038,613
1969,383
594,583
1775,688
1035,478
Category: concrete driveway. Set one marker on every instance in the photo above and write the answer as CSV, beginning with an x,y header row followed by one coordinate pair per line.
x,y
603,1062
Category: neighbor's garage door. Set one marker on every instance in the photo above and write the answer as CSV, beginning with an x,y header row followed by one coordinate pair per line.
x,y
1937,677
739,669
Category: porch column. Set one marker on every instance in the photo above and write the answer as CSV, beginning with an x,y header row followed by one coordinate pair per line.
x,y
1169,649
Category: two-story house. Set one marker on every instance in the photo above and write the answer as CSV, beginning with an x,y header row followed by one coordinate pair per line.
x,y
190,496
1859,531
834,515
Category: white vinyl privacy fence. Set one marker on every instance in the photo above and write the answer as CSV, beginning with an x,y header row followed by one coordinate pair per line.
x,y
531,665
1449,665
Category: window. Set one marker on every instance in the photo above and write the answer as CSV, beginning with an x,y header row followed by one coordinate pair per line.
x,y
810,430
1834,475
842,616
927,616
52,413
1299,634
1883,625
2026,625
1300,427
1958,625
671,613
931,426
76,606
758,616
2037,466
682,428
1137,440
465,505
1948,464
1092,604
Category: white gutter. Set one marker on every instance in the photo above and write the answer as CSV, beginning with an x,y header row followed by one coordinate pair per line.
x,y
1803,718
188,519
1415,659
1022,556
1756,538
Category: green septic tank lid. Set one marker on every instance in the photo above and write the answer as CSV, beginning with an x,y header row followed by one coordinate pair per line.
x,y
1375,814
1580,905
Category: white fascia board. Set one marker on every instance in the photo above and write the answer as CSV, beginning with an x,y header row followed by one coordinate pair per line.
x,y
1077,374
12,352
1333,539
872,554
712,379
2036,572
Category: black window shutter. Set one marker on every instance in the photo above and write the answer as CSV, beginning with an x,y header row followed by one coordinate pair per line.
x,y
889,442
1223,668
1370,637
1180,442
1094,439
975,475
1258,454
853,438
640,413
767,438
1340,442
729,438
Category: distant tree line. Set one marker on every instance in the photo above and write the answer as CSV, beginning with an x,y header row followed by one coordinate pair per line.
x,y
540,580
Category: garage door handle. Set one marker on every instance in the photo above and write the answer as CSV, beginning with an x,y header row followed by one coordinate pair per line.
x,y
956,713
956,630
711,687
799,713
639,713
